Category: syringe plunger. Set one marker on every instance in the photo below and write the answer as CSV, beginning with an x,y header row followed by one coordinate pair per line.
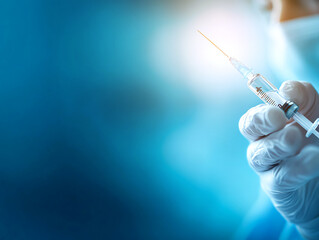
x,y
306,124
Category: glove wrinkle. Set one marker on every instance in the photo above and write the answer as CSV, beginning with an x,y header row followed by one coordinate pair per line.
x,y
269,151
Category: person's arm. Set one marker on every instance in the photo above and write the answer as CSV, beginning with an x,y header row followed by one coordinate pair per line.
x,y
285,160
285,10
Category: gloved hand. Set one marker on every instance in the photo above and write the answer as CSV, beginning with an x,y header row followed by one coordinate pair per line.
x,y
286,161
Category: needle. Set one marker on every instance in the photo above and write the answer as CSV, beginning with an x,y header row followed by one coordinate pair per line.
x,y
213,44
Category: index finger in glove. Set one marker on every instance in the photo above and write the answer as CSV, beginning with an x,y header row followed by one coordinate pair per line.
x,y
260,121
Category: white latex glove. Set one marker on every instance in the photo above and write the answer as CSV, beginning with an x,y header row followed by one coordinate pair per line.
x,y
286,161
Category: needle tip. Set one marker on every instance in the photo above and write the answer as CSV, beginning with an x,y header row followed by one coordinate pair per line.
x,y
214,44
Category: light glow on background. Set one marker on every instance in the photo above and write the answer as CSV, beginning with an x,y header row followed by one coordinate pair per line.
x,y
208,73
200,150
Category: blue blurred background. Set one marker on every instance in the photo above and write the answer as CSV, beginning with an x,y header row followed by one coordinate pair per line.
x,y
119,121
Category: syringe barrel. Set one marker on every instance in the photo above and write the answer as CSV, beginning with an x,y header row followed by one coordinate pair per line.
x,y
268,93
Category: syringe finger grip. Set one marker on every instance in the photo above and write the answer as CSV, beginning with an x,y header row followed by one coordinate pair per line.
x,y
313,128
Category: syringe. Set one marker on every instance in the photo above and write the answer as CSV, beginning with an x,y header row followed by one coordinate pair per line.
x,y
268,93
